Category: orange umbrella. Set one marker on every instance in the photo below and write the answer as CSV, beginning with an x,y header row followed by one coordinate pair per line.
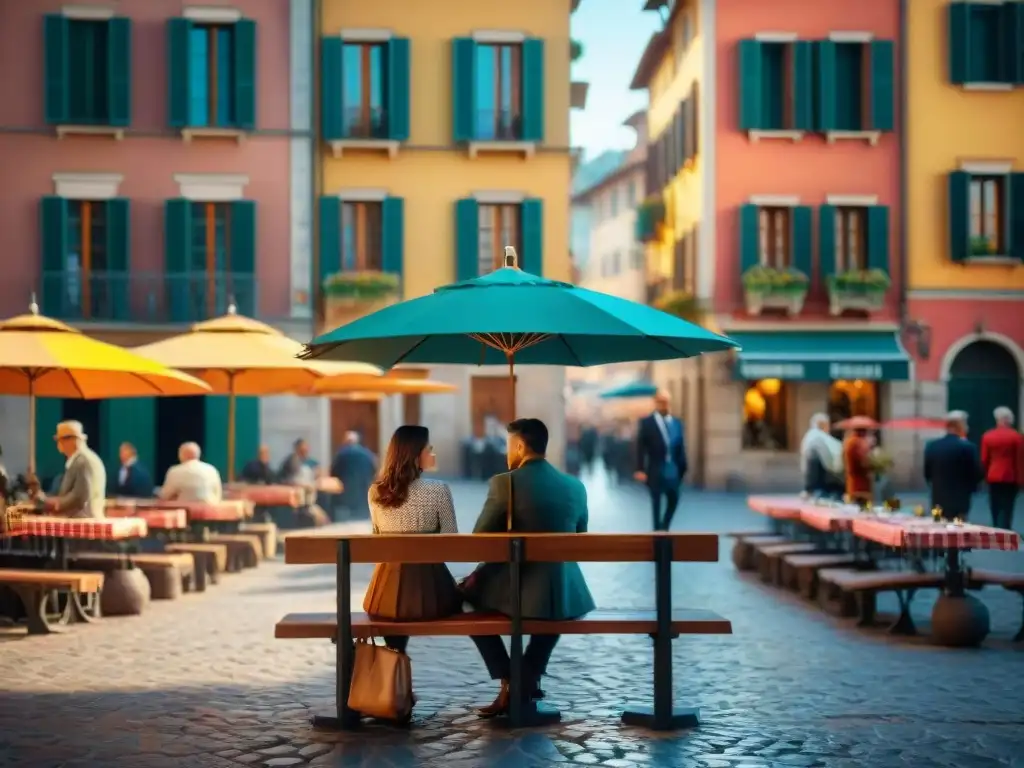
x,y
382,385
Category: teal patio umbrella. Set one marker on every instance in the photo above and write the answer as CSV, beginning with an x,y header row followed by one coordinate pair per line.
x,y
510,316
632,389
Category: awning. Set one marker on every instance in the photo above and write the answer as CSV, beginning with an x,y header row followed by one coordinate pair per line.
x,y
821,355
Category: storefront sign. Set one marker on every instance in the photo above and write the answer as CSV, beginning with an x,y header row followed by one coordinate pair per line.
x,y
820,370
757,371
871,371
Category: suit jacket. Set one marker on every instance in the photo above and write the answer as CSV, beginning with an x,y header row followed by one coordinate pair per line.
x,y
192,481
651,451
1002,455
138,483
544,501
83,486
953,469
355,466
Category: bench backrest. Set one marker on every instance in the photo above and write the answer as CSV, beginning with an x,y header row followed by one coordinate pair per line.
x,y
316,549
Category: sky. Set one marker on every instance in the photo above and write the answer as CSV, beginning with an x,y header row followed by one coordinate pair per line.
x,y
614,34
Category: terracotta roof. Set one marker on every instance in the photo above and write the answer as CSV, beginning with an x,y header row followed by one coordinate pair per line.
x,y
656,48
625,169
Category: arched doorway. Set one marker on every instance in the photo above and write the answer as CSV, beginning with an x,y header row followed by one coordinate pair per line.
x,y
983,376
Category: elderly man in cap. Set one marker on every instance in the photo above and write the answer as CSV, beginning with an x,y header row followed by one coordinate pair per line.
x,y
84,484
1002,455
952,467
192,479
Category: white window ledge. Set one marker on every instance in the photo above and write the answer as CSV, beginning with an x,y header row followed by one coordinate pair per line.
x,y
776,37
88,12
87,186
851,37
871,137
499,36
997,87
366,35
987,167
363,195
759,135
852,201
214,14
498,197
114,131
775,201
211,187
995,260
525,148
192,133
389,146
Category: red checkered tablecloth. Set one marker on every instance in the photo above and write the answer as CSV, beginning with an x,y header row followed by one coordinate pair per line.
x,y
159,519
777,507
829,519
267,495
905,532
106,529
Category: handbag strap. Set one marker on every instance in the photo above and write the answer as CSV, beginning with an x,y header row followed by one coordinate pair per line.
x,y
508,511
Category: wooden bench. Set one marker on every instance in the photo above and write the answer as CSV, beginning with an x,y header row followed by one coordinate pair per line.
x,y
267,533
743,549
768,558
33,588
1014,582
800,571
168,573
661,623
244,549
210,560
853,592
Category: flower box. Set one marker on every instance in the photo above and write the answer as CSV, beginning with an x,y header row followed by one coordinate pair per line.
x,y
350,295
781,289
858,290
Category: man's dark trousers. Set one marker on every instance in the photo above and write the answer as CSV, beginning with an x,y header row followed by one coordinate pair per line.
x,y
667,486
1001,500
535,657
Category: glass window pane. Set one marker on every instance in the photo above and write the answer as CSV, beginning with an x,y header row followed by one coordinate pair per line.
x,y
762,236
378,76
352,90
486,98
221,260
975,208
79,64
485,256
225,69
198,260
199,76
505,83
348,237
98,238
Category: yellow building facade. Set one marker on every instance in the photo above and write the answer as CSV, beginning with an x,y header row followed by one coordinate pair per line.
x,y
445,136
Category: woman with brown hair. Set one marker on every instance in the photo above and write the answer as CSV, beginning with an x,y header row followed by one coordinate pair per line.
x,y
402,501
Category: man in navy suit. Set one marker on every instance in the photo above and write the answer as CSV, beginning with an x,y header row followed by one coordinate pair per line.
x,y
132,479
661,459
952,467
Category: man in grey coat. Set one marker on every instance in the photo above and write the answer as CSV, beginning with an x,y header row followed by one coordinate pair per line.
x,y
541,499
84,483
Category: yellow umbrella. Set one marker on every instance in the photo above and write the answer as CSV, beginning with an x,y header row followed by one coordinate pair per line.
x,y
239,356
42,357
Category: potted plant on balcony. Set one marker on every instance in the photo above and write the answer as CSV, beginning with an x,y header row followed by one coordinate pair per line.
x,y
982,246
770,288
858,289
650,216
682,304
347,295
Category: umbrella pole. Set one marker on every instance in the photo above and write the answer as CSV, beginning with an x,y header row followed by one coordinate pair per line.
x,y
231,429
510,356
31,426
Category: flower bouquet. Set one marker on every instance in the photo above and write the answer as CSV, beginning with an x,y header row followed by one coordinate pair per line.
x,y
879,461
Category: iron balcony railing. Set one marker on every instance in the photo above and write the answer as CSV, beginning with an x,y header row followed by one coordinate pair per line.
x,y
145,297
498,125
359,125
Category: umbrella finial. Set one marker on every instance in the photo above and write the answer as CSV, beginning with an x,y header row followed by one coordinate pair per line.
x,y
511,258
232,309
33,308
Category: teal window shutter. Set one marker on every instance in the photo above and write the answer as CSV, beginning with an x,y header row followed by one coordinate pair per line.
x,y
958,30
467,239
245,74
750,246
392,219
463,89
177,72
1015,216
399,71
751,107
883,85
531,225
177,242
128,420
53,240
332,123
803,85
49,462
1012,28
802,239
214,442
55,68
119,71
330,237
826,241
243,256
959,214
827,86
247,432
878,237
533,90
118,256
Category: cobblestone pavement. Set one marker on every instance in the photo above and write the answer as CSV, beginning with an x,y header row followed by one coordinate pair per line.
x,y
201,682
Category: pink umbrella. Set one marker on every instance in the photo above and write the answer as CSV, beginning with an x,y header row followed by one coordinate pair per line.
x,y
857,422
915,424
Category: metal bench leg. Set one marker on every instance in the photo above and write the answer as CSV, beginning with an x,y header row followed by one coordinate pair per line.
x,y
35,599
344,718
904,624
79,613
865,608
1019,637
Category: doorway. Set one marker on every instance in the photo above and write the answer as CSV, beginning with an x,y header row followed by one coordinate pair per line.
x,y
178,420
490,405
412,409
984,375
357,416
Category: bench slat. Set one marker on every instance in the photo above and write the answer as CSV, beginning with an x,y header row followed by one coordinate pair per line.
x,y
296,626
817,561
790,548
83,581
850,580
143,559
1006,579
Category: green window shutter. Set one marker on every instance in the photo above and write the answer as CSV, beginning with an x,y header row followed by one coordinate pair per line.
x,y
214,442
118,255
531,220
49,462
750,249
467,239
177,242
53,243
55,68
803,85
1015,217
958,30
878,237
802,239
392,216
247,431
751,107
245,74
463,89
1012,25
242,262
399,88
883,85
959,213
332,123
827,86
127,420
330,237
826,241
119,71
533,90
177,72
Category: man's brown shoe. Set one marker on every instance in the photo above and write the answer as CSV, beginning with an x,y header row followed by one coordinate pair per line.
x,y
497,707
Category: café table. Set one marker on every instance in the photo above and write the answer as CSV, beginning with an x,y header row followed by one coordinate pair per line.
x,y
782,510
267,495
204,516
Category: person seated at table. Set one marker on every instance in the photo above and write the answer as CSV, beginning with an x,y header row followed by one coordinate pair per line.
x,y
192,479
355,466
821,459
860,477
258,471
295,470
83,485
952,468
133,479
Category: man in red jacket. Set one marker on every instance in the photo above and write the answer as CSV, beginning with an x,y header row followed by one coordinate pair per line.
x,y
1002,456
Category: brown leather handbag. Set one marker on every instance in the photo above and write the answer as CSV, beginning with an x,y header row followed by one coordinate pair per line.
x,y
381,682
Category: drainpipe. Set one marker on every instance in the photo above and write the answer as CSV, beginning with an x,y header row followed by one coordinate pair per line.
x,y
904,83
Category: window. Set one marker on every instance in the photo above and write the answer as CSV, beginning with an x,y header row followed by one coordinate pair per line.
x,y
987,213
855,86
631,195
85,279
498,92
364,67
87,66
636,257
850,60
361,237
765,416
776,86
847,399
774,246
851,246
499,225
981,43
87,71
613,204
211,74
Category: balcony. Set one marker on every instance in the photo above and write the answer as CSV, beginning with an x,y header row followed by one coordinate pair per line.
x,y
145,297
365,124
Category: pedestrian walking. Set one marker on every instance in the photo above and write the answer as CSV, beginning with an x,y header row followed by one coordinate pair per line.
x,y
1002,456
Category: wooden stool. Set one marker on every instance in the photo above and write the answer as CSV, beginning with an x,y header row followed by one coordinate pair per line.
x,y
243,549
267,533
211,560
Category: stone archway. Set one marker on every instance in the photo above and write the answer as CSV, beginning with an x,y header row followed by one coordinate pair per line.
x,y
982,376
